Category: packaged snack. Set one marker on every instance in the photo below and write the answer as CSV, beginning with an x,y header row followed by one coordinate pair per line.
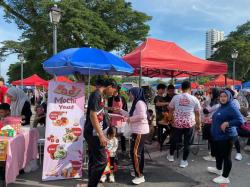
x,y
3,149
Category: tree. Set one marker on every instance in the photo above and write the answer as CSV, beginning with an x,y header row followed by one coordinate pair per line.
x,y
203,80
239,40
105,24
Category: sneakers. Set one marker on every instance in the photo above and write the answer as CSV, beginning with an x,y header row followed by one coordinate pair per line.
x,y
111,178
209,158
183,163
221,180
238,157
170,158
214,170
103,178
247,148
138,180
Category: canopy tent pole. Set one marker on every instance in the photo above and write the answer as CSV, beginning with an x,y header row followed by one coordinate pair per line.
x,y
35,94
225,80
140,77
172,77
88,85
140,73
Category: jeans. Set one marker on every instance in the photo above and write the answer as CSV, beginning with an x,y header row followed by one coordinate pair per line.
x,y
223,155
97,159
188,134
137,153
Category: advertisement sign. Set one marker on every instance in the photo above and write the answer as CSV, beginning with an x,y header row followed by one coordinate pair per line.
x,y
63,150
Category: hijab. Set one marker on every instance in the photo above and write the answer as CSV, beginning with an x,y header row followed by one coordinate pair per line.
x,y
20,98
215,96
229,97
138,96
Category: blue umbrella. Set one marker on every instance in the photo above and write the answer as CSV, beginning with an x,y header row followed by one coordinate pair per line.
x,y
86,61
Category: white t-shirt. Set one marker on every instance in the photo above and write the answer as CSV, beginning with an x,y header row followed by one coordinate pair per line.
x,y
184,106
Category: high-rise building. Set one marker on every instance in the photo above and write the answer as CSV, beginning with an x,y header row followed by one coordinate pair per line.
x,y
212,37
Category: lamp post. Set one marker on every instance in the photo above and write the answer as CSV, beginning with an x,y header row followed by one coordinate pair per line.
x,y
21,58
234,56
55,16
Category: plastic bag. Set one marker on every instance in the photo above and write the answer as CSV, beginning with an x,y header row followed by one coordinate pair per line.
x,y
127,130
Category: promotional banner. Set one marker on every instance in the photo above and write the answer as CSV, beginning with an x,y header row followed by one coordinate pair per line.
x,y
63,150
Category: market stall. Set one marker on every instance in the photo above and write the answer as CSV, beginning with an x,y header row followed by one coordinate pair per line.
x,y
158,58
33,80
222,81
18,148
63,149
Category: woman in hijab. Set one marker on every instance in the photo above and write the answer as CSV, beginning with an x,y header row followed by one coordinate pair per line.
x,y
138,120
20,105
224,123
208,111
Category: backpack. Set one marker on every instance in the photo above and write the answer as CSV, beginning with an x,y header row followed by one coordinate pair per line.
x,y
246,126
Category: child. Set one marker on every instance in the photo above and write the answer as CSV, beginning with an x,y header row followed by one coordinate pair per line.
x,y
40,117
4,112
111,152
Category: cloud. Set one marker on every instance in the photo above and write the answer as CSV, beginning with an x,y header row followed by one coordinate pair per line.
x,y
186,21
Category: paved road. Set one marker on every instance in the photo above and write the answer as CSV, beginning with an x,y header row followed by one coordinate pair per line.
x,y
158,173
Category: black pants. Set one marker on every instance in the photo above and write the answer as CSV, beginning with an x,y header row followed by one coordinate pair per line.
x,y
241,133
163,132
137,153
97,159
177,137
123,143
206,134
223,156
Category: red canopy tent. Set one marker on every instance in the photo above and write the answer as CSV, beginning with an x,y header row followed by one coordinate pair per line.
x,y
220,81
63,79
59,79
194,85
33,80
157,58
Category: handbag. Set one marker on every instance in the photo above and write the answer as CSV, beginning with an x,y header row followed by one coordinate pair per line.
x,y
246,126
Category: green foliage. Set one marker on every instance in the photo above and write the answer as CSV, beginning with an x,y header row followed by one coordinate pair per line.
x,y
125,95
104,24
239,40
203,80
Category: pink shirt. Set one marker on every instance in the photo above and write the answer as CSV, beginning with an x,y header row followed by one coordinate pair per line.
x,y
139,119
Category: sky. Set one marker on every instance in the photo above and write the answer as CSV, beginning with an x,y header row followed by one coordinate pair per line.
x,y
181,21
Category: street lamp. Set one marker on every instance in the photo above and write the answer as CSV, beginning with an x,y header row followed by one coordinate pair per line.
x,y
55,16
234,56
21,58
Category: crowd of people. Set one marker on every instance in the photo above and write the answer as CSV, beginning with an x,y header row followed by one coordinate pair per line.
x,y
16,102
217,115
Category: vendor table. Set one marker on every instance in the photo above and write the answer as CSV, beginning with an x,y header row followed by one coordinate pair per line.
x,y
22,149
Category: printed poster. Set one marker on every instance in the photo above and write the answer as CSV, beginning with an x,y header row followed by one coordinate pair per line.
x,y
63,150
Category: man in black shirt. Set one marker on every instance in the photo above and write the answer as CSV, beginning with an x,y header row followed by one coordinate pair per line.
x,y
95,129
161,106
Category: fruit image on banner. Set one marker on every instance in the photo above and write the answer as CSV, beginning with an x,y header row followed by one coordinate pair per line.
x,y
64,131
